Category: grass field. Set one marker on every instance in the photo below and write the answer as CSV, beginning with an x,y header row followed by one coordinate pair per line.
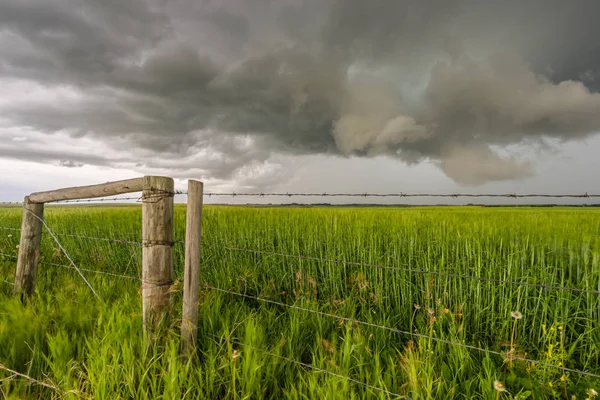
x,y
94,348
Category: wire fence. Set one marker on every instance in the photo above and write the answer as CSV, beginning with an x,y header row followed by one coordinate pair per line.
x,y
234,194
401,194
505,355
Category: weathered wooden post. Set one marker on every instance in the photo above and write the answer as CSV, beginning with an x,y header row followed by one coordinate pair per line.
x,y
157,251
29,248
191,283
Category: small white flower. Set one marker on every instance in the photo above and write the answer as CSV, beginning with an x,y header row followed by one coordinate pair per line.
x,y
516,315
499,386
592,393
9,235
235,354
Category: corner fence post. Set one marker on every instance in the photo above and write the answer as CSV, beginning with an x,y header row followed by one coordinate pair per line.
x,y
191,283
29,248
157,251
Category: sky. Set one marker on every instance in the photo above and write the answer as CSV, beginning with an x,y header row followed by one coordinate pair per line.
x,y
438,96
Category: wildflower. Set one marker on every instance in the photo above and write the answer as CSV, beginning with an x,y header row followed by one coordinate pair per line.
x,y
446,311
499,386
9,235
563,378
417,307
235,354
516,315
592,393
431,311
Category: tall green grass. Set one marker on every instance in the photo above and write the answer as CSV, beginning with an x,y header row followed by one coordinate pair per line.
x,y
94,347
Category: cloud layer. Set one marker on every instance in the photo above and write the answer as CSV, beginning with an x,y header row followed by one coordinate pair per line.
x,y
221,89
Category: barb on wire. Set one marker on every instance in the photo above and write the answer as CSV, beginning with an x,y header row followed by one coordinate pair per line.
x,y
406,333
453,195
100,200
417,271
64,251
310,366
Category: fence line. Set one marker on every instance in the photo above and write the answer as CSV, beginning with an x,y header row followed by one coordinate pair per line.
x,y
325,194
123,241
406,333
453,195
310,366
94,271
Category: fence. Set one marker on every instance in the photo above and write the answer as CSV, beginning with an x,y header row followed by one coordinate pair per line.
x,y
157,261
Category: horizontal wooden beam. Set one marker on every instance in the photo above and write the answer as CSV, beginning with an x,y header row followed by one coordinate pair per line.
x,y
88,192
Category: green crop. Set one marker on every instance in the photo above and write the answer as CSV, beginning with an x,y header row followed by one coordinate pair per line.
x,y
448,281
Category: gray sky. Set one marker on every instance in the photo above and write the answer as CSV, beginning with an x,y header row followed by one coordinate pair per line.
x,y
313,95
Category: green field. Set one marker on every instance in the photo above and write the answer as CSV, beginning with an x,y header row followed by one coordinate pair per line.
x,y
94,348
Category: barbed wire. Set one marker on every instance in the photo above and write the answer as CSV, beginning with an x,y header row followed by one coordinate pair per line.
x,y
417,271
111,240
406,333
310,366
63,250
121,241
453,195
94,271
100,200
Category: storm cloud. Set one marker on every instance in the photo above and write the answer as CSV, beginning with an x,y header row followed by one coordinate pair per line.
x,y
220,87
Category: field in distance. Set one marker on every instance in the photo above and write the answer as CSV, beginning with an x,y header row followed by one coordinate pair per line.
x,y
389,297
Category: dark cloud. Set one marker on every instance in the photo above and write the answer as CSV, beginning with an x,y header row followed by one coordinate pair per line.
x,y
237,81
70,164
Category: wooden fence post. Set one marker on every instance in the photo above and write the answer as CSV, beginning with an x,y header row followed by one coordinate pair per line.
x,y
157,251
29,248
191,283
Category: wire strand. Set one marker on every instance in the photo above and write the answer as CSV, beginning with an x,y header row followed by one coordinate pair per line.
x,y
310,366
402,332
93,271
453,195
110,240
64,251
